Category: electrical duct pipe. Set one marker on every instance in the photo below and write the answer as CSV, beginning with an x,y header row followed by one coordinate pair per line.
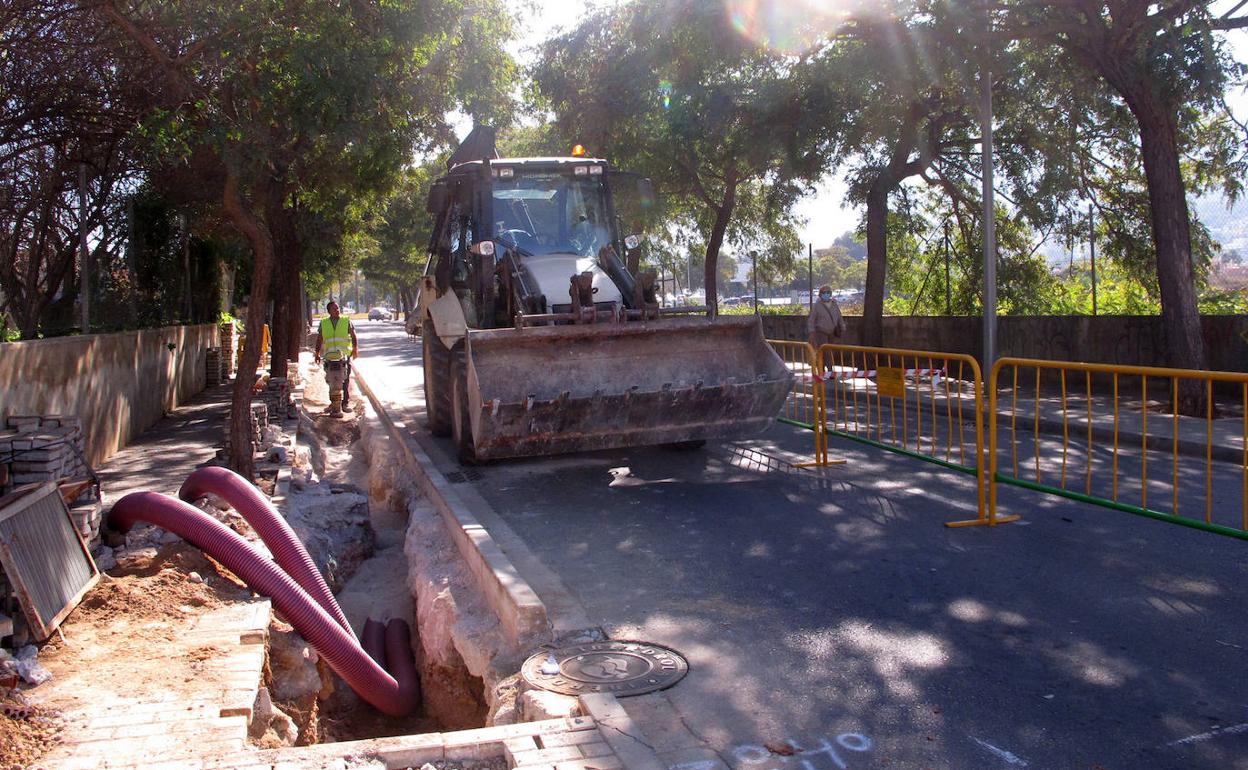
x,y
397,696
271,526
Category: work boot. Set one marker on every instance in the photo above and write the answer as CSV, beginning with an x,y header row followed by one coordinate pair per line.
x,y
346,405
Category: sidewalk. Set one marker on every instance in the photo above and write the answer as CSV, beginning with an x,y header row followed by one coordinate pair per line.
x,y
160,666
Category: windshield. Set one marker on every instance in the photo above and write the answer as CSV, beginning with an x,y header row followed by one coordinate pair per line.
x,y
548,212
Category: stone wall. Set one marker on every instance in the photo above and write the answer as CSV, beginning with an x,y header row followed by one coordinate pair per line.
x,y
1137,340
117,384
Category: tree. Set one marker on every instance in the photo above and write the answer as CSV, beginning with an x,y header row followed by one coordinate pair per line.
x,y
58,119
402,232
672,90
313,103
1165,62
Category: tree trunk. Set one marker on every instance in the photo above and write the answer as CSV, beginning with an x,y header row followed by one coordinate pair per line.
x,y
1172,238
723,214
281,227
877,263
298,328
242,458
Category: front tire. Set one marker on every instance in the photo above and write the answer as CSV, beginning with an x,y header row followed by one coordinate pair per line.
x,y
437,366
461,420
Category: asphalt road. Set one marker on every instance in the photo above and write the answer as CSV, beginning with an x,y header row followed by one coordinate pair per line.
x,y
834,611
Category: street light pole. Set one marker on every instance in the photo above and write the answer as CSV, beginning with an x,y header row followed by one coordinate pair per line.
x,y
990,225
754,270
1092,252
810,275
84,286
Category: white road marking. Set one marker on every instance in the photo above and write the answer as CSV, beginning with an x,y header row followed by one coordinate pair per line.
x,y
1008,756
1215,732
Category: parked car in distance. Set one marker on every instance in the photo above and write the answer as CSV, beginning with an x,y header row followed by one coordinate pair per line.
x,y
379,314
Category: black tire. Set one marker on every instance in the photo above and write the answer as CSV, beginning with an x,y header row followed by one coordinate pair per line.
x,y
437,365
461,424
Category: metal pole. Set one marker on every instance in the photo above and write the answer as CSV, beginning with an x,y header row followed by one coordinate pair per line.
x,y
754,270
186,265
810,275
84,288
1092,252
990,225
948,293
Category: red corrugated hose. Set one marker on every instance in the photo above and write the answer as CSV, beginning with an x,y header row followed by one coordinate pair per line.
x,y
394,695
270,525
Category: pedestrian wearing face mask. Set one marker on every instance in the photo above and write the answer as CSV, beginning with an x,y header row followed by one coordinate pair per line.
x,y
824,325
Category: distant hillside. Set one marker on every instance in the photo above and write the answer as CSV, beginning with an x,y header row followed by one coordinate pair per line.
x,y
1229,225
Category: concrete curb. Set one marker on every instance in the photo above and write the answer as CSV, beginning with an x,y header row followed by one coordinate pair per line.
x,y
520,612
622,734
404,751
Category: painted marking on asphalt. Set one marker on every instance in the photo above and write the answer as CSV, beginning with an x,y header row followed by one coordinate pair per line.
x,y
805,758
1215,732
697,764
1008,756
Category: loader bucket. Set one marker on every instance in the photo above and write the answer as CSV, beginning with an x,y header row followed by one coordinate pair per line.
x,y
554,389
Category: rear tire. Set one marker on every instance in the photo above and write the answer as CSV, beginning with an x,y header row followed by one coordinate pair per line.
x,y
461,421
437,365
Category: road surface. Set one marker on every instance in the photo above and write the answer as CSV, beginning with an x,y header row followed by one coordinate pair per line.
x,y
831,621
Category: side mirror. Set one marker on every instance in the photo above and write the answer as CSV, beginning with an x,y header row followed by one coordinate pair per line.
x,y
436,201
632,242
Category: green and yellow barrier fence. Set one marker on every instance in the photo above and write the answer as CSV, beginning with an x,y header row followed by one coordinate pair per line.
x,y
1097,407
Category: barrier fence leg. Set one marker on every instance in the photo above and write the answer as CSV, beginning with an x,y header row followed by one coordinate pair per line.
x,y
819,397
985,478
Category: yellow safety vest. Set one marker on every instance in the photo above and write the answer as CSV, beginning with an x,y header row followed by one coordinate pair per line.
x,y
336,340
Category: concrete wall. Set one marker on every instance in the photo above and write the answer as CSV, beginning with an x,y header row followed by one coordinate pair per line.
x,y
1136,340
119,384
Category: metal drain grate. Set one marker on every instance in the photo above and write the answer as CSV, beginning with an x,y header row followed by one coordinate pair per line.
x,y
43,556
461,477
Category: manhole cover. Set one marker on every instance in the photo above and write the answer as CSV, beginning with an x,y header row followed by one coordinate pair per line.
x,y
618,667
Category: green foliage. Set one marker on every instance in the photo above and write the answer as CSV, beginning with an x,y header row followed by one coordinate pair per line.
x,y
670,89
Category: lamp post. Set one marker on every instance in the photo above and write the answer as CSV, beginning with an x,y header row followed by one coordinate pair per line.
x,y
990,225
754,270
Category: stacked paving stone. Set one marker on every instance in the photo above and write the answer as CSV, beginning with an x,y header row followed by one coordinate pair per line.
x,y
218,364
42,448
38,449
259,419
276,397
227,348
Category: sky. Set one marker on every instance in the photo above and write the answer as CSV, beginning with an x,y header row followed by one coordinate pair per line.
x,y
824,210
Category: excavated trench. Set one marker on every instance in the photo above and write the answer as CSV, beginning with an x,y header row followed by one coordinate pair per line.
x,y
385,553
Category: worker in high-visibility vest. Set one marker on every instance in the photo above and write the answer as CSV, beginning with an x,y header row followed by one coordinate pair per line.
x,y
337,344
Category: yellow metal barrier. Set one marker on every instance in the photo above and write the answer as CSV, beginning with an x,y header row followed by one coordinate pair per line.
x,y
805,405
1114,403
913,402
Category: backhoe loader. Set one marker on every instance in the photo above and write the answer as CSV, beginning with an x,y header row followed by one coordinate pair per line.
x,y
541,335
